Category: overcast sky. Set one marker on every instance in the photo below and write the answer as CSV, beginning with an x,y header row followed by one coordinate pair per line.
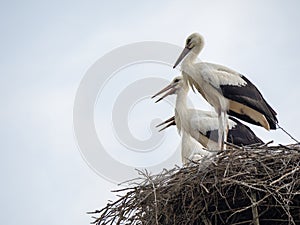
x,y
48,46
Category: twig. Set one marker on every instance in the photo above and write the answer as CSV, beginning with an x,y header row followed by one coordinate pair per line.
x,y
287,133
285,175
254,208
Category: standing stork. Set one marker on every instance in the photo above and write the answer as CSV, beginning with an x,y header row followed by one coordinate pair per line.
x,y
203,125
225,89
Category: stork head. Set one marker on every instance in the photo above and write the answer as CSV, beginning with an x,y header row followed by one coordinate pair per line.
x,y
173,88
193,45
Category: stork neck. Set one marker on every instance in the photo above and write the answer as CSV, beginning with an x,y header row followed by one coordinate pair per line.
x,y
181,100
181,107
186,147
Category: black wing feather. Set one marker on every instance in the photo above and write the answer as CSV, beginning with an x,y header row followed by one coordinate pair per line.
x,y
240,135
249,95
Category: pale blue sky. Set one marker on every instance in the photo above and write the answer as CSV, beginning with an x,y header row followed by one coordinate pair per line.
x,y
46,48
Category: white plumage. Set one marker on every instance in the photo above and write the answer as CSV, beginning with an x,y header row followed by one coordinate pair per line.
x,y
191,149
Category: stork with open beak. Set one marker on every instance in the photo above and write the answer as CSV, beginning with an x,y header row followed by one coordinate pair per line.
x,y
203,125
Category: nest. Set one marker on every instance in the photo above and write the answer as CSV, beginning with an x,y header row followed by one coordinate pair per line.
x,y
258,185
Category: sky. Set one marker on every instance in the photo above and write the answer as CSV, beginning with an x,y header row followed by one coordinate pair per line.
x,y
47,47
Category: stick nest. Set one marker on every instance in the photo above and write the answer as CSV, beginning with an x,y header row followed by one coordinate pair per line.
x,y
258,185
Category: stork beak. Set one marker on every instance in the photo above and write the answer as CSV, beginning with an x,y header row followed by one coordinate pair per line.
x,y
169,122
169,87
171,119
185,51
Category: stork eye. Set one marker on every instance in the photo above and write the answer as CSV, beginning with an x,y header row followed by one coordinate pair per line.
x,y
176,80
188,41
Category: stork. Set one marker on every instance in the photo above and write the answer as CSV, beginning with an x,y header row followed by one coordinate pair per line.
x,y
225,89
203,125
